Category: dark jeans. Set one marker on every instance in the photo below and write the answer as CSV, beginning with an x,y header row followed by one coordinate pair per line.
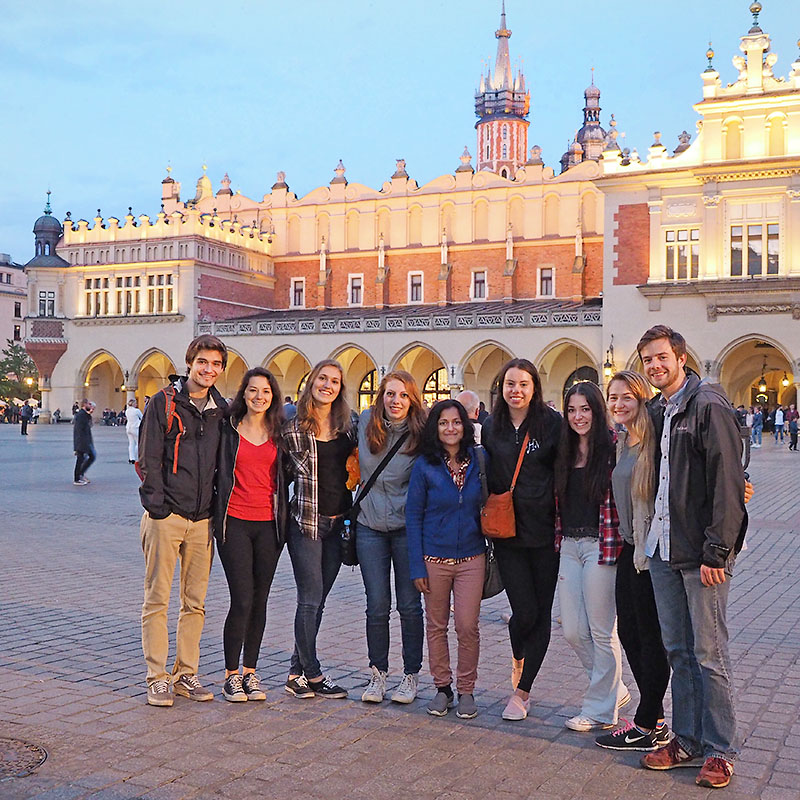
x,y
24,426
530,575
83,460
316,564
793,441
378,553
640,635
249,556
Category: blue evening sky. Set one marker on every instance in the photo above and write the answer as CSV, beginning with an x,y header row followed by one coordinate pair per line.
x,y
97,98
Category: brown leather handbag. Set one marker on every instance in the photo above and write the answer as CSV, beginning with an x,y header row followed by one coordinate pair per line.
x,y
497,515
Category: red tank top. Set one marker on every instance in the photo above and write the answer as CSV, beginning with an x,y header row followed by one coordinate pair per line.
x,y
254,481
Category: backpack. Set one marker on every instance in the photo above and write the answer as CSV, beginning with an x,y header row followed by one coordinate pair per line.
x,y
170,410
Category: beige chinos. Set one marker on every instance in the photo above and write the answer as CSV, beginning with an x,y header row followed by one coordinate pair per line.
x,y
164,541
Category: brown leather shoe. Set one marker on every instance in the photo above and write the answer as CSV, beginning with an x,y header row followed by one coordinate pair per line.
x,y
669,757
715,773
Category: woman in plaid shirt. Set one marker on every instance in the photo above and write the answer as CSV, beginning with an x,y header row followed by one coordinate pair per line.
x,y
319,440
587,531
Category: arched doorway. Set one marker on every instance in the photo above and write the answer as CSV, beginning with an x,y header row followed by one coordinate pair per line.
x,y
357,366
756,371
102,382
367,390
481,368
290,368
436,387
561,365
152,372
423,363
228,383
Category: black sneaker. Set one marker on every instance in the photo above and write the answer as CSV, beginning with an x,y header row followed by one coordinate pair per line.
x,y
663,734
299,687
629,737
327,688
232,689
251,684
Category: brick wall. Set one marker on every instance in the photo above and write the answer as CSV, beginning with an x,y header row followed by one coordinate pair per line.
x,y
632,244
229,299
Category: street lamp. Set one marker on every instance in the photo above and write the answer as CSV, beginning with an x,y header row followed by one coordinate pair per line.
x,y
785,380
608,367
29,381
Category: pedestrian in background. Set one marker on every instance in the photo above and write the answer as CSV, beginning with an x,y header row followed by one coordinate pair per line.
x,y
289,408
82,442
472,405
777,426
25,416
133,420
758,426
381,540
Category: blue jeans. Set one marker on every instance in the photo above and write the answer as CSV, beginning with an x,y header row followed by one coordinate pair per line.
x,y
377,553
315,563
756,435
695,632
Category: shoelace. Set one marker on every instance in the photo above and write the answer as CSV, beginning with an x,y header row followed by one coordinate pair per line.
x,y
160,687
626,727
191,680
328,683
720,764
235,682
302,681
253,681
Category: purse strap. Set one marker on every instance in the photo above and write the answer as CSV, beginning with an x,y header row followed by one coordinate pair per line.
x,y
519,460
372,478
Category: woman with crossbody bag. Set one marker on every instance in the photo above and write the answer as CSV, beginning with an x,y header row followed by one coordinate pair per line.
x,y
523,432
381,533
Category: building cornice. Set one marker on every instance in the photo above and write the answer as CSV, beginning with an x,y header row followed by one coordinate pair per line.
x,y
138,319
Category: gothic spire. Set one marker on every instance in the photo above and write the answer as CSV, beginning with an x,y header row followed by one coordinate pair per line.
x,y
502,66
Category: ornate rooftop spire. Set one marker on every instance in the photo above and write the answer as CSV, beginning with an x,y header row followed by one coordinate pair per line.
x,y
502,66
47,209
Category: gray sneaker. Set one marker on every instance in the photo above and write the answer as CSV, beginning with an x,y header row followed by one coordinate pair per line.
x,y
376,688
466,707
406,691
159,693
189,686
441,704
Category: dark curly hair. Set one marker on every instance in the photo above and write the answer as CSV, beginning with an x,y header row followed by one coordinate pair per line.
x,y
430,445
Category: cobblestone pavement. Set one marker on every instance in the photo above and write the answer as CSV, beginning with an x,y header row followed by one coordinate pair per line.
x,y
72,673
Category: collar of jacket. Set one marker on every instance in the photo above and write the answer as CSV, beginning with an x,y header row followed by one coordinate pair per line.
x,y
395,427
182,393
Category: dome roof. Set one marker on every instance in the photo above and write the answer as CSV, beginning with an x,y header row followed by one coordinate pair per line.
x,y
592,91
47,223
591,133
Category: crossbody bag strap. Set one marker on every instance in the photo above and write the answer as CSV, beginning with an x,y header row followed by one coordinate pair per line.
x,y
372,478
519,460
480,454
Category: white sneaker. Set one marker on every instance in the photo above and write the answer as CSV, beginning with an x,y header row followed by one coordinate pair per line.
x,y
406,692
583,724
376,688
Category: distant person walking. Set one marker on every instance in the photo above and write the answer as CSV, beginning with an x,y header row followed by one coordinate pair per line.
x,y
289,408
26,414
133,419
82,442
778,426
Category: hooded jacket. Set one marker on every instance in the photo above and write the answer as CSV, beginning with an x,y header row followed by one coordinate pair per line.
x,y
225,479
189,490
708,520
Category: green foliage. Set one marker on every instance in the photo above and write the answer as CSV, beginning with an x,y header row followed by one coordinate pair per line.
x,y
15,366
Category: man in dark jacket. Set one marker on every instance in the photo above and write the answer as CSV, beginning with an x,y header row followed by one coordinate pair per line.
x,y
82,442
697,530
25,415
178,441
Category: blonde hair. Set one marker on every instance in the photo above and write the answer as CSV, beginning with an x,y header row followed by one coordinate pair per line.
x,y
307,417
643,479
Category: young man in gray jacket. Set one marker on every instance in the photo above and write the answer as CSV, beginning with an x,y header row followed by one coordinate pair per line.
x,y
697,530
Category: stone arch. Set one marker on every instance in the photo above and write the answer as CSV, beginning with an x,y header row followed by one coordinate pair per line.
x,y
289,366
228,383
420,360
356,363
693,361
559,361
151,373
742,364
732,136
480,366
776,130
101,381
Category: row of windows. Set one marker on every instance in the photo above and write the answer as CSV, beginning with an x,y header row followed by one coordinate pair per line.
x,y
129,294
754,250
479,287
774,131
121,255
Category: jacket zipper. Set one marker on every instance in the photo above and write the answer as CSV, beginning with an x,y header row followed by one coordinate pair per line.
x,y
233,486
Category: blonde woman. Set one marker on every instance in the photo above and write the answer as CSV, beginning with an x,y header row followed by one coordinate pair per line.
x,y
318,440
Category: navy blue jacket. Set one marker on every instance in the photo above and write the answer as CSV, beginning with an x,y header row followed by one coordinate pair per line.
x,y
441,520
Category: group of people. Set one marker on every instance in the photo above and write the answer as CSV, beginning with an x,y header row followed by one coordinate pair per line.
x,y
632,507
782,420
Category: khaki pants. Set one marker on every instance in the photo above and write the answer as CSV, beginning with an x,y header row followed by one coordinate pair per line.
x,y
163,542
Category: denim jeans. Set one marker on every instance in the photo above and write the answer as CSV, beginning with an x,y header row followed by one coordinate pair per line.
x,y
378,552
315,563
589,621
756,435
695,632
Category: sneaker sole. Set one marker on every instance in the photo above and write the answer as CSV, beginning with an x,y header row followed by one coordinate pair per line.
x,y
695,762
583,729
372,698
435,713
158,703
709,785
256,697
298,695
234,698
335,696
404,700
630,747
466,716
181,692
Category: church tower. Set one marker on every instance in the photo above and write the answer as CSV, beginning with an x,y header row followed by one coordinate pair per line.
x,y
501,105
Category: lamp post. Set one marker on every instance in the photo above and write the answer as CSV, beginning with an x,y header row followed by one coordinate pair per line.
x,y
29,382
608,367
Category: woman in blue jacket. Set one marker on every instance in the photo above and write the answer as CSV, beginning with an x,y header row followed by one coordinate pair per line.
x,y
447,550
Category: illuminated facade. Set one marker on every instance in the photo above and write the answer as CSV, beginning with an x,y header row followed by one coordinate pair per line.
x,y
449,278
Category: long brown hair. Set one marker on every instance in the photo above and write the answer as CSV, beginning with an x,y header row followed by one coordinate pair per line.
x,y
307,417
273,418
643,479
376,430
537,410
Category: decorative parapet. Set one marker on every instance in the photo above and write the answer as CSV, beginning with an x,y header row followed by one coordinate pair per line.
x,y
396,322
133,319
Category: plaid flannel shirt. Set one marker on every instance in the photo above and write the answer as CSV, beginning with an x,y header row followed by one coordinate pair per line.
x,y
610,539
302,466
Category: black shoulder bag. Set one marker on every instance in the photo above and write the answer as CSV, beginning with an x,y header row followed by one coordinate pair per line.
x,y
347,521
492,582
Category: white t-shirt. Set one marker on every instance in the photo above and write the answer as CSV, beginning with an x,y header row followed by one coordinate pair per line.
x,y
133,417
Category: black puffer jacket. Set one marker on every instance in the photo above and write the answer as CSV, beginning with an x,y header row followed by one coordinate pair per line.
x,y
223,486
189,490
82,431
708,520
534,498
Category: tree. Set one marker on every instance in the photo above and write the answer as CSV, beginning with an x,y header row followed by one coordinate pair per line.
x,y
15,366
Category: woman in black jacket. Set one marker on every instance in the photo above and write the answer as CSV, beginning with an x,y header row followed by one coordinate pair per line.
x,y
528,562
249,522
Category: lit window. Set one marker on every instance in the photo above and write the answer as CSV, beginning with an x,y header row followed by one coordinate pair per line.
x,y
415,290
298,295
546,288
436,387
479,285
761,244
682,253
367,390
17,333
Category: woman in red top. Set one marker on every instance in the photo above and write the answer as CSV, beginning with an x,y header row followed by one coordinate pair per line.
x,y
249,517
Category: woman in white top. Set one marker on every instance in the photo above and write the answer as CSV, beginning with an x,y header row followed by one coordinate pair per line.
x,y
133,419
